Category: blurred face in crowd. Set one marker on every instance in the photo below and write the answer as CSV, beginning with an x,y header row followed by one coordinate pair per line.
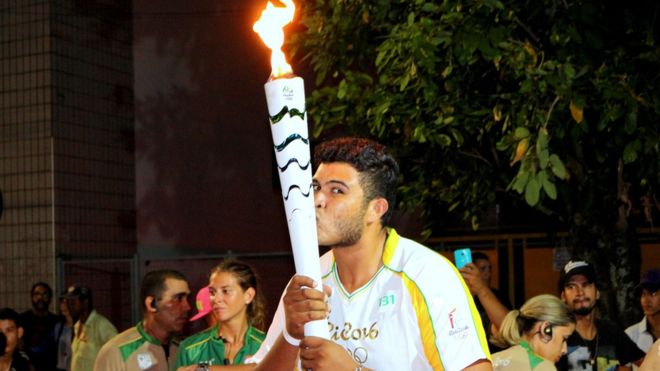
x,y
173,306
650,301
340,204
552,347
64,308
13,334
485,269
229,299
40,298
580,295
75,306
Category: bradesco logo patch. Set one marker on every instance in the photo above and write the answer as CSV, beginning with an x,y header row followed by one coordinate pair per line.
x,y
458,329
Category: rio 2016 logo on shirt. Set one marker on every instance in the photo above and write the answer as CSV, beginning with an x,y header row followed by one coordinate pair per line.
x,y
347,332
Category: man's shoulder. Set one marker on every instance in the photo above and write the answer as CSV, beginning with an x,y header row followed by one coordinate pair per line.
x,y
636,328
408,254
131,335
607,327
20,361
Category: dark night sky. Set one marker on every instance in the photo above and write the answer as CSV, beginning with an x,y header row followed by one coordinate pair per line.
x,y
204,150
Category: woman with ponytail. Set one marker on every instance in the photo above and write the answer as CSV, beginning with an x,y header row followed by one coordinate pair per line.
x,y
238,308
535,335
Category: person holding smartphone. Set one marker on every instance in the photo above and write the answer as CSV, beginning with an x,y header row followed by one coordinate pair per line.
x,y
492,309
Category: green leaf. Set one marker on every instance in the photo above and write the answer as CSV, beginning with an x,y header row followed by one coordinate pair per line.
x,y
532,192
631,122
411,18
521,133
569,71
404,82
542,148
526,86
520,181
557,166
444,140
503,144
550,189
342,89
630,153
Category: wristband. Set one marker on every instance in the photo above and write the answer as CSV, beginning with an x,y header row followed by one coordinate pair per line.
x,y
290,339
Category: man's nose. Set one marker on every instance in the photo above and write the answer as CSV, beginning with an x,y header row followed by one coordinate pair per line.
x,y
319,199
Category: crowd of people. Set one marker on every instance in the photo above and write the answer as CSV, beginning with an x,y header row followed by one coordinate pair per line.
x,y
390,302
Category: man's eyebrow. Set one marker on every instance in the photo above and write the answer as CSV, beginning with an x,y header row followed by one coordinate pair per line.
x,y
344,184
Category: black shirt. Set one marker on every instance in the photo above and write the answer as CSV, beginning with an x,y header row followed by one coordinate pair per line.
x,y
610,347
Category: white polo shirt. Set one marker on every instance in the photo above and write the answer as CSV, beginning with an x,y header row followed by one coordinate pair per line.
x,y
416,313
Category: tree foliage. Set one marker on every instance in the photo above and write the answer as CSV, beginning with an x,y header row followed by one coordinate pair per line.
x,y
554,102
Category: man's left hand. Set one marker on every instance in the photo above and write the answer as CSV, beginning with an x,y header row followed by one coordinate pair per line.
x,y
319,354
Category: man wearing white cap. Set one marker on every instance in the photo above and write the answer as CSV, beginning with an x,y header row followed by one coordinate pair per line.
x,y
596,344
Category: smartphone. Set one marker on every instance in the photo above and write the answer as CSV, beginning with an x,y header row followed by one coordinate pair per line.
x,y
462,257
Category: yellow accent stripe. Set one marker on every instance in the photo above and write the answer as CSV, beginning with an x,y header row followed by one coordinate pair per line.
x,y
198,343
390,246
425,323
421,307
478,325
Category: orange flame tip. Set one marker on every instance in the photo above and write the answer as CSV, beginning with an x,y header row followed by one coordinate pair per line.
x,y
270,28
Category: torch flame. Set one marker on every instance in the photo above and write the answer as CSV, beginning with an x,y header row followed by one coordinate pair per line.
x,y
270,29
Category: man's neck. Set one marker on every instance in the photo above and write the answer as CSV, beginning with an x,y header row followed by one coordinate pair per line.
x,y
586,326
40,313
84,316
653,325
5,361
155,331
358,263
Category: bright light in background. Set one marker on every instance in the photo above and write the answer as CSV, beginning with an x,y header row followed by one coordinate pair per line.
x,y
270,29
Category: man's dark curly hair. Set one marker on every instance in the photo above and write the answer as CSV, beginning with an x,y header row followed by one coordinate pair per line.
x,y
378,169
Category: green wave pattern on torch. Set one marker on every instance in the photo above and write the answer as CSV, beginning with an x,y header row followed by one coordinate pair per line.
x,y
280,147
280,115
292,160
295,186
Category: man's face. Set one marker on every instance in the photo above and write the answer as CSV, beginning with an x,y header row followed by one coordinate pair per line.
x,y
40,298
580,295
340,204
75,306
650,301
484,269
12,332
173,306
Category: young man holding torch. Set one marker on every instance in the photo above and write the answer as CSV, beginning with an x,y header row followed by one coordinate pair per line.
x,y
395,304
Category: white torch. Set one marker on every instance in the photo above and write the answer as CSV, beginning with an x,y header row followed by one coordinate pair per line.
x,y
285,97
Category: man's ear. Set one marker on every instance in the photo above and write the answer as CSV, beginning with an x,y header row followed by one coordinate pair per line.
x,y
149,303
20,332
597,294
562,296
377,208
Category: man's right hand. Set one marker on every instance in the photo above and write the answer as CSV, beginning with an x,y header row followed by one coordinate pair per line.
x,y
304,303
